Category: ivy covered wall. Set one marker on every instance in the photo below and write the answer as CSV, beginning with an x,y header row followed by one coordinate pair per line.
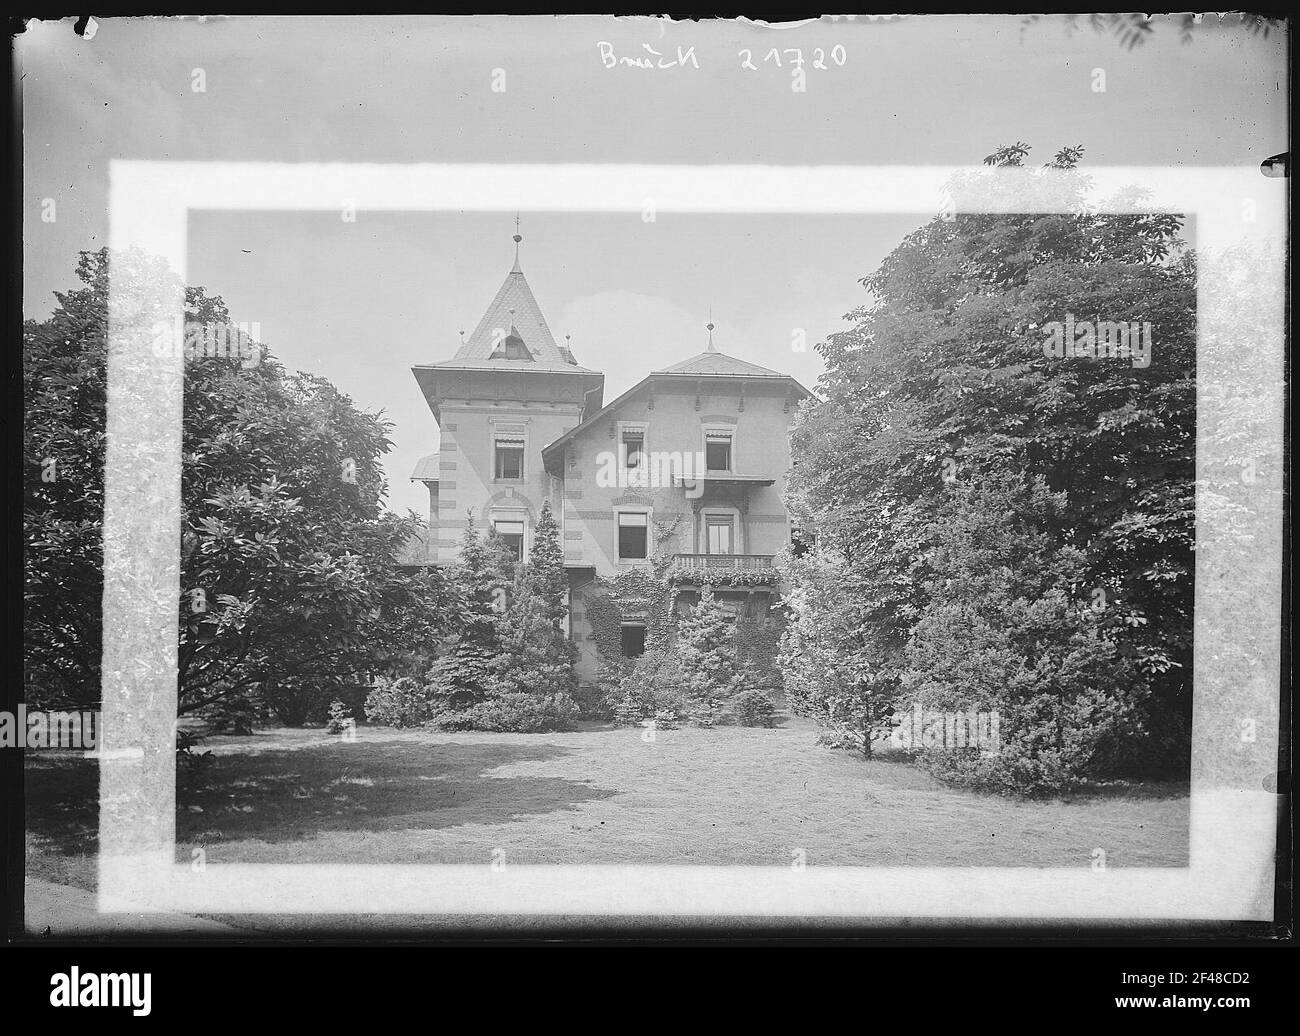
x,y
639,596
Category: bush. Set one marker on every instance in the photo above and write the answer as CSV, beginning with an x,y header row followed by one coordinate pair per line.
x,y
237,713
592,701
753,708
298,703
339,718
403,702
187,754
665,719
651,687
513,712
840,736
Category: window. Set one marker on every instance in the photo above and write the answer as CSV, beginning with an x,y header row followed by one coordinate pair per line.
x,y
513,534
509,457
632,535
634,450
718,528
717,451
633,641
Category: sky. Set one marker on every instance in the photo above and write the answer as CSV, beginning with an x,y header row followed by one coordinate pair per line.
x,y
361,302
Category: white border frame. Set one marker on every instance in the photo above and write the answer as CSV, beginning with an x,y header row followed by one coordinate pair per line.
x,y
1232,829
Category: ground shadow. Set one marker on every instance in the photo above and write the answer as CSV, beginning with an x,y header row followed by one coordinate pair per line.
x,y
291,796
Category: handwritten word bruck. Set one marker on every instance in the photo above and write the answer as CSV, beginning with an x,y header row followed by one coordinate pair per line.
x,y
653,59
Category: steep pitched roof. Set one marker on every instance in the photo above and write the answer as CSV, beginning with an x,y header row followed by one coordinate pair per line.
x,y
713,363
513,309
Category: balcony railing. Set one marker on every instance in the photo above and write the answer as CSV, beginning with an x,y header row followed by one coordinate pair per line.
x,y
725,561
724,569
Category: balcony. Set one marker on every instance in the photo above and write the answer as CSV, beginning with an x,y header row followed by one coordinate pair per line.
x,y
724,569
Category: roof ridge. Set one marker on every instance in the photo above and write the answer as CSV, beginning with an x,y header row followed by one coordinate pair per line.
x,y
715,362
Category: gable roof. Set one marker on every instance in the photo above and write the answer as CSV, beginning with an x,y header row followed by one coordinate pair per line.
x,y
712,363
708,364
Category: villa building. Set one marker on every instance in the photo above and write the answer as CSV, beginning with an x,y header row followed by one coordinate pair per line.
x,y
681,475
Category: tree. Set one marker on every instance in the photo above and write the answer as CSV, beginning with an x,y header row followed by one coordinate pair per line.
x,y
707,656
463,676
537,657
828,668
1005,633
944,381
288,578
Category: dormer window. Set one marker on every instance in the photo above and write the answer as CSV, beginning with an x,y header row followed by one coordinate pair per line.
x,y
511,347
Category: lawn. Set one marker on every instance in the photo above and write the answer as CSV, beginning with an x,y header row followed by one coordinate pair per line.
x,y
596,796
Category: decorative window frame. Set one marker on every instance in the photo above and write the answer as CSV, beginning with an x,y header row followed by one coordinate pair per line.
x,y
737,526
499,513
642,480
719,428
495,436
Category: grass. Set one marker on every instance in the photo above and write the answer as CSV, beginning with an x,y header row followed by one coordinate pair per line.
x,y
595,796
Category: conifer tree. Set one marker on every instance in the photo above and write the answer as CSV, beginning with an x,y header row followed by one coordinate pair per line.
x,y
464,676
537,656
706,648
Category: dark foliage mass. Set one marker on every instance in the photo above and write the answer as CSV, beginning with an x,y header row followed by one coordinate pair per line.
x,y
999,528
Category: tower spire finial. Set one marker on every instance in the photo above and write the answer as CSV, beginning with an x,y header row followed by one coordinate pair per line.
x,y
709,325
518,238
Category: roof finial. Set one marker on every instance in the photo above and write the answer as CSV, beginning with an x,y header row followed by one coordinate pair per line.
x,y
709,325
518,238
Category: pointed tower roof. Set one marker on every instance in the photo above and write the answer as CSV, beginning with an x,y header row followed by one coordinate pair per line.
x,y
511,339
513,315
513,309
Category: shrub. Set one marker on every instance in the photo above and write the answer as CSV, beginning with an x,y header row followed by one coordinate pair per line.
x,y
339,717
665,719
840,736
592,701
297,703
237,713
649,688
511,711
403,702
753,708
186,752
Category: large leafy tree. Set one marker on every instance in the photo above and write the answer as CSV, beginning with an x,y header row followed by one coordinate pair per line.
x,y
943,382
288,577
